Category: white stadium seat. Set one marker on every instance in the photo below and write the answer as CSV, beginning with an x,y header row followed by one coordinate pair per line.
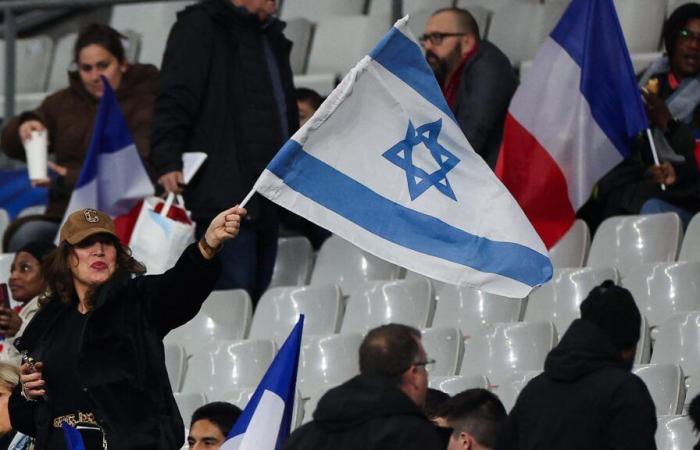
x,y
678,342
455,384
509,389
572,248
4,222
641,21
675,433
624,242
409,302
33,58
176,364
188,403
690,250
315,10
445,345
300,31
327,362
666,385
5,264
294,261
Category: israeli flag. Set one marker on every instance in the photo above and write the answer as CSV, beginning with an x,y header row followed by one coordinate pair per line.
x,y
113,178
384,164
265,422
74,441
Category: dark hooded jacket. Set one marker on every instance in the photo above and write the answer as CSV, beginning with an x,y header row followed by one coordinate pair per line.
x,y
587,398
367,413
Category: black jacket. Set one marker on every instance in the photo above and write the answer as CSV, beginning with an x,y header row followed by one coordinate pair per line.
x,y
488,83
121,359
587,398
367,413
216,97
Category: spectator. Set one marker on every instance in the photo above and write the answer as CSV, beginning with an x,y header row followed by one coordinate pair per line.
x,y
26,284
477,79
476,417
380,409
308,101
227,91
673,108
587,398
211,424
9,438
694,413
68,116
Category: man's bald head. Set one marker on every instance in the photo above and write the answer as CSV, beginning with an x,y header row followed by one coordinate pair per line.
x,y
464,21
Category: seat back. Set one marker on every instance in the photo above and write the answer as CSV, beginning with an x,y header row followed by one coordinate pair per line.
x,y
641,21
454,384
300,31
445,345
188,403
279,308
4,223
223,366
690,250
327,361
507,347
675,433
33,58
624,242
572,248
470,309
175,364
5,264
666,385
559,299
678,342
662,289
294,261
509,389
409,302
316,11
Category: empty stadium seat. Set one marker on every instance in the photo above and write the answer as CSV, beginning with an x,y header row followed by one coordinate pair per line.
x,y
175,363
558,300
492,5
4,222
33,57
692,388
690,250
643,353
62,61
675,433
678,342
445,345
409,302
315,10
310,405
624,242
455,384
509,389
572,248
224,315
188,403
5,263
506,347
294,261
641,21
342,263
410,6
327,361
470,309
666,386
150,20
278,311
300,31
223,366
662,289
534,22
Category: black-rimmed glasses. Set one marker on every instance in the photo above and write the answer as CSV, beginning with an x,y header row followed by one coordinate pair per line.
x,y
436,38
429,363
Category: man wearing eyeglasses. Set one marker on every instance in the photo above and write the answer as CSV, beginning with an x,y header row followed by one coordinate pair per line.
x,y
477,79
380,409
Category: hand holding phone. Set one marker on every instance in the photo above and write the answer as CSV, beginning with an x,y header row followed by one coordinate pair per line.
x,y
30,375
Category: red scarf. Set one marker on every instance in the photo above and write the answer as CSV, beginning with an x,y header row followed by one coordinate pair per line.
x,y
451,88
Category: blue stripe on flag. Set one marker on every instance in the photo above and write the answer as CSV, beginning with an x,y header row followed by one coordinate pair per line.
x,y
423,233
590,32
402,57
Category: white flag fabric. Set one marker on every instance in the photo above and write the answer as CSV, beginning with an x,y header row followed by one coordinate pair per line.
x,y
384,164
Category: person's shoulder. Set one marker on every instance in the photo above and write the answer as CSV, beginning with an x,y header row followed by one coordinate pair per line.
x,y
491,54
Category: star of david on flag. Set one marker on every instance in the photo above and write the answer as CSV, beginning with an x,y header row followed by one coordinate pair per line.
x,y
418,179
384,164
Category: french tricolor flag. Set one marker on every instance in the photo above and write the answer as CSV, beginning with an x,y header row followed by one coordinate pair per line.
x,y
572,119
113,178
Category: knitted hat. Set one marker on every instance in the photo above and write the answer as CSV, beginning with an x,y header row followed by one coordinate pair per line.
x,y
612,308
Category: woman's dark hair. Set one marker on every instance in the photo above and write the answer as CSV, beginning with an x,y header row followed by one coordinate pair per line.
x,y
310,96
59,277
102,35
676,22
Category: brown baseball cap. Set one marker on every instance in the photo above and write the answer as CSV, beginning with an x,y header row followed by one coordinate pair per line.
x,y
86,222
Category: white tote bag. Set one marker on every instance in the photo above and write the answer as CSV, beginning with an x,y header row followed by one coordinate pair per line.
x,y
159,240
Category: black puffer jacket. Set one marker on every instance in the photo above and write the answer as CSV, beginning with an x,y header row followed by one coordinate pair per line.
x,y
121,359
367,413
587,398
216,97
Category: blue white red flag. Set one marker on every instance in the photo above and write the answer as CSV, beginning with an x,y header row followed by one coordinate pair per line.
x,y
572,119
265,422
384,164
113,178
74,441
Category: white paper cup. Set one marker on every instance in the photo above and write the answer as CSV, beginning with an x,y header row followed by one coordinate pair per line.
x,y
36,149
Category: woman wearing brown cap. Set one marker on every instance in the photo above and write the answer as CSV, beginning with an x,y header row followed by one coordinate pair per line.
x,y
95,356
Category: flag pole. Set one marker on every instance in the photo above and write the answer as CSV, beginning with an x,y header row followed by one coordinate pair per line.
x,y
247,198
653,153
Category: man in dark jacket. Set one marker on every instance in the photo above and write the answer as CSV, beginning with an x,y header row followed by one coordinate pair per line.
x,y
587,398
477,79
380,409
227,90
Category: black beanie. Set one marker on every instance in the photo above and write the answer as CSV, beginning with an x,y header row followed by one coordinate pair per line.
x,y
38,249
612,308
676,21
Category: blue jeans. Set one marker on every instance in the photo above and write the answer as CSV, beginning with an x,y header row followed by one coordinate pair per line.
x,y
656,206
248,259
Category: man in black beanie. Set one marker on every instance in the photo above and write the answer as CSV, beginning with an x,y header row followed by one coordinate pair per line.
x,y
587,398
